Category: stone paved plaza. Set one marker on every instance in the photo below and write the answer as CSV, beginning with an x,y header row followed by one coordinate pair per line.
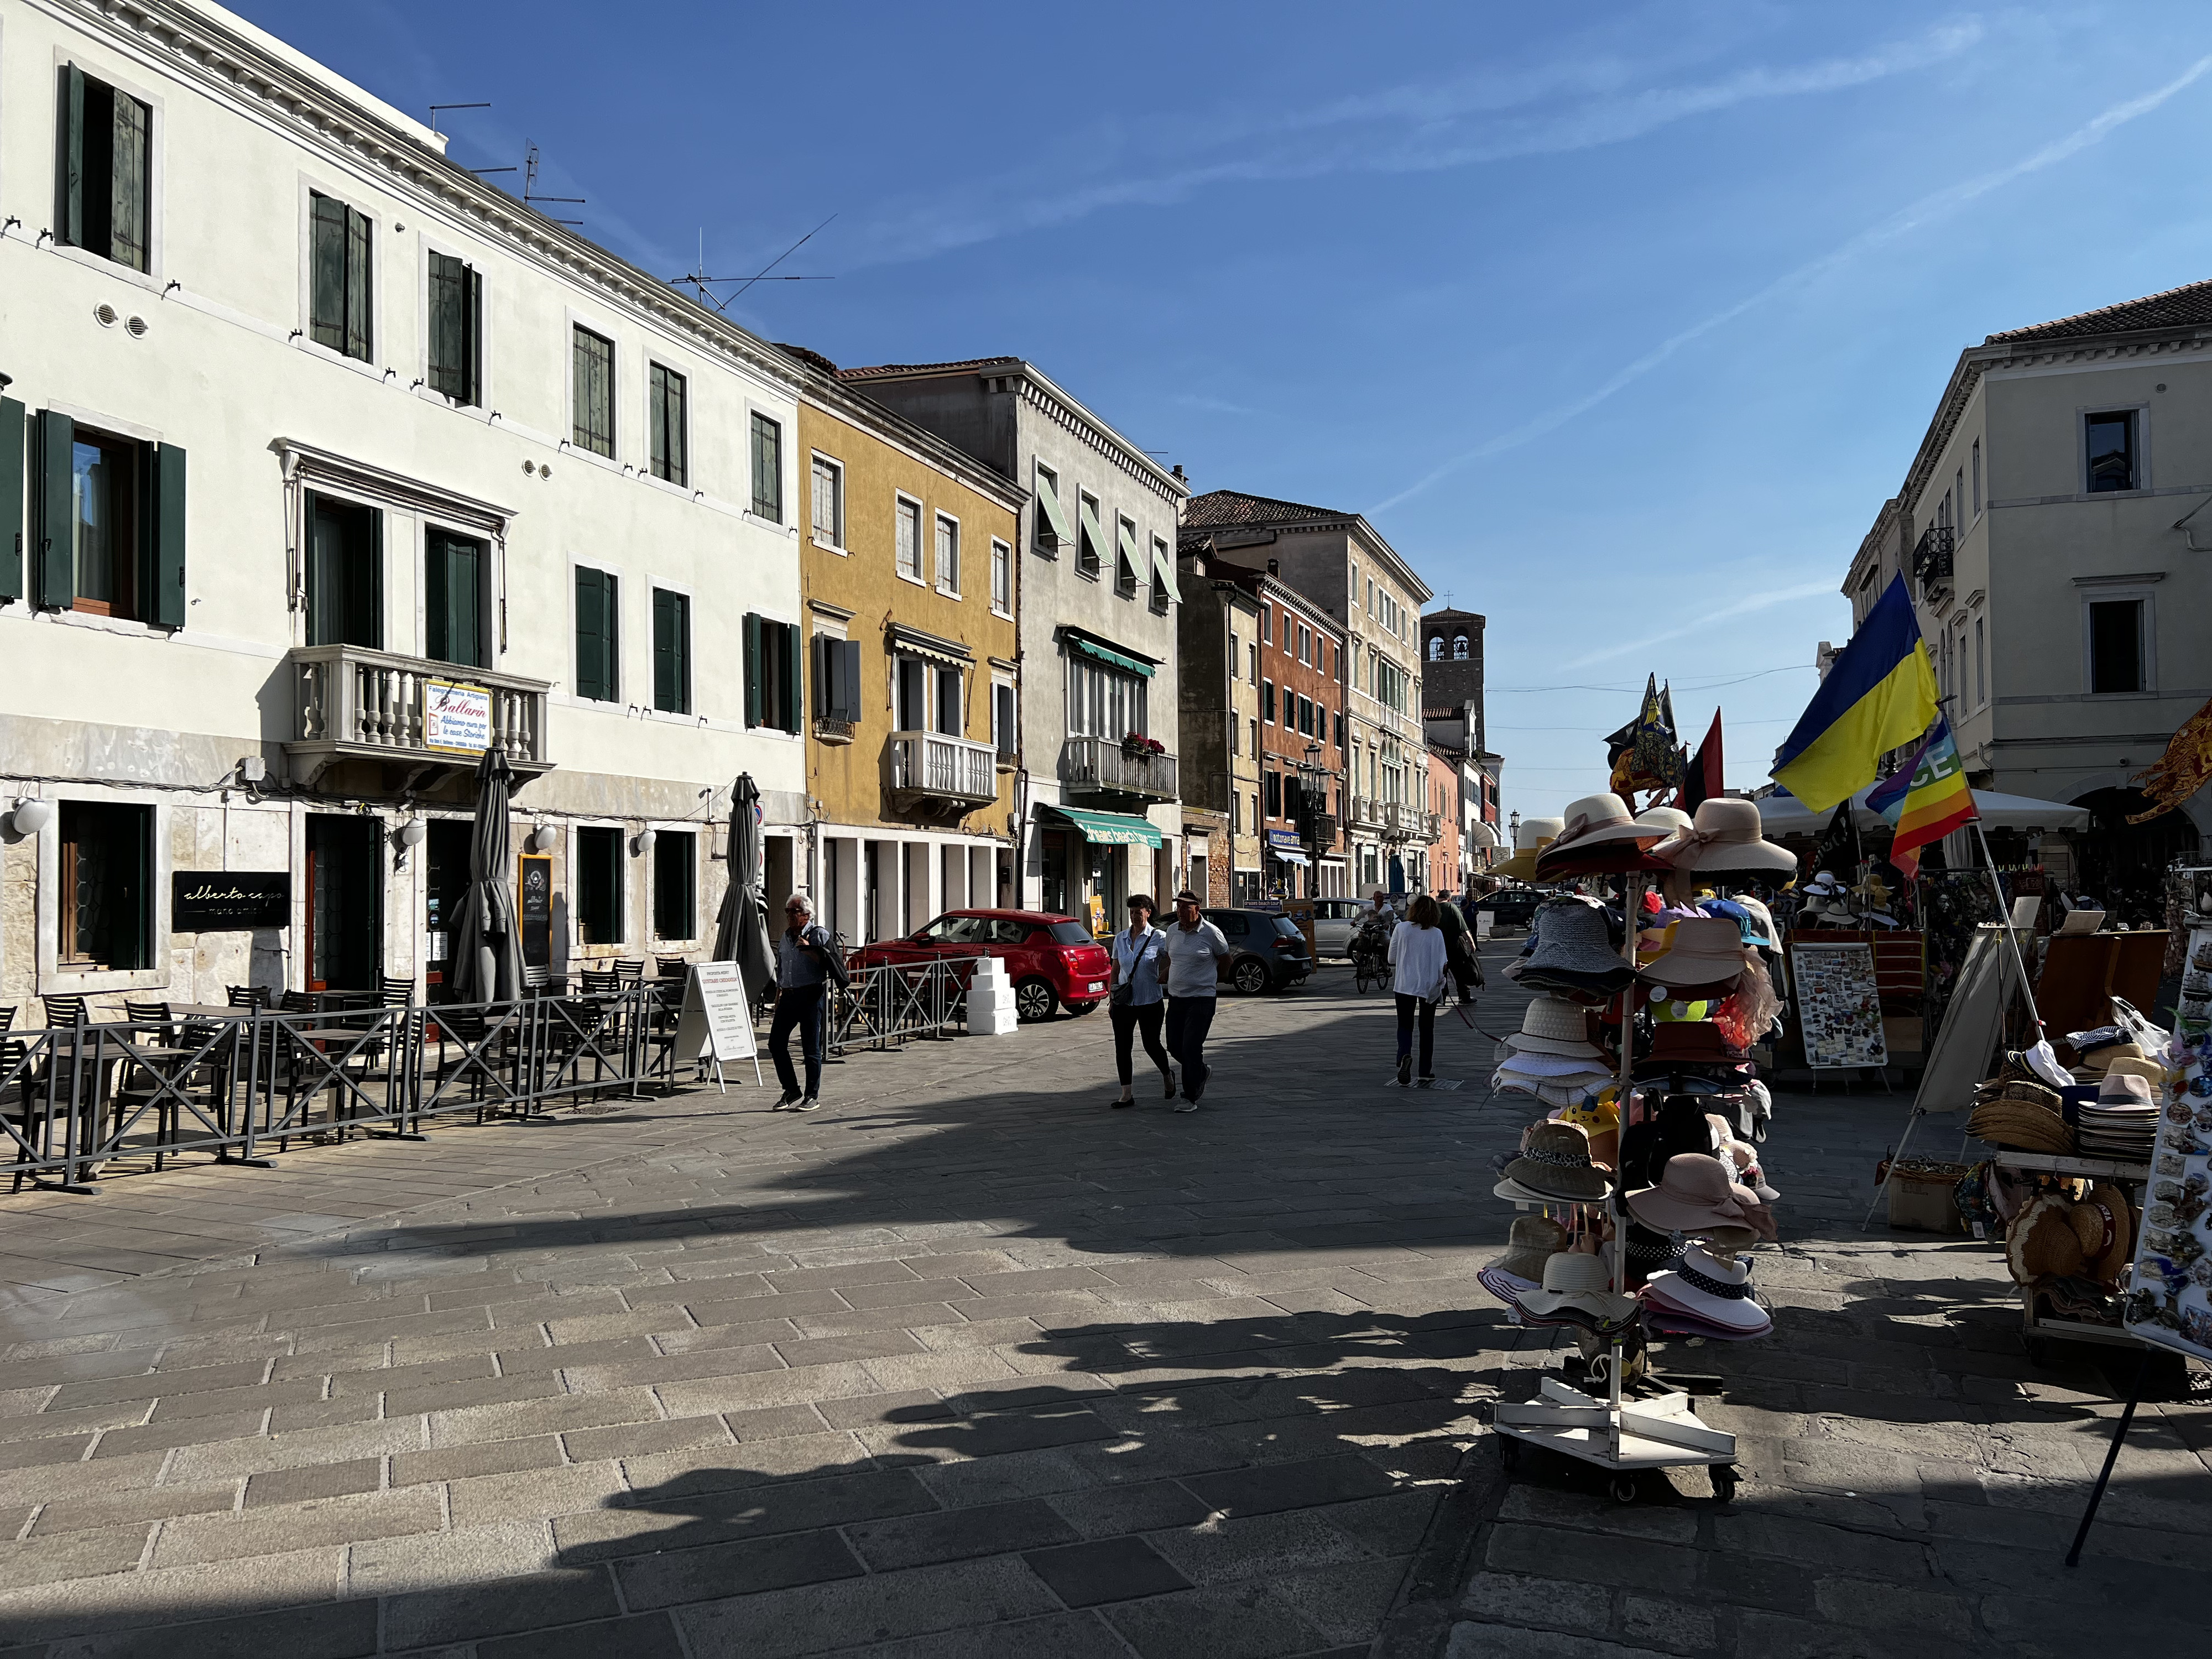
x,y
968,1365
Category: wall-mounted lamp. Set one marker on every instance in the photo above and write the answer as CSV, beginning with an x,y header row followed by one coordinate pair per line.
x,y
642,843
31,815
408,836
543,838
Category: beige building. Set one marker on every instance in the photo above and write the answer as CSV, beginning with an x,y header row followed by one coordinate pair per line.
x,y
2050,528
333,465
1218,647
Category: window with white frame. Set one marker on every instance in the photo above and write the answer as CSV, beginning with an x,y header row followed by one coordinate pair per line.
x,y
768,468
340,311
1235,666
2118,640
948,556
1104,701
671,442
592,391
829,527
909,538
104,171
1002,579
1977,478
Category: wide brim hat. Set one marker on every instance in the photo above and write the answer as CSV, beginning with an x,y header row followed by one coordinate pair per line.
x,y
1516,1192
2100,1061
1672,820
1710,1290
1533,1241
1555,1162
1695,1190
2021,1126
1530,838
1596,822
1553,1025
2109,1244
2128,1088
1727,835
1573,937
1703,950
1534,1063
2042,1239
2150,1071
1578,1284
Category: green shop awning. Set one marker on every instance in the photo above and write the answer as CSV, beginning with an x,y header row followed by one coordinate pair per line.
x,y
1107,828
1107,654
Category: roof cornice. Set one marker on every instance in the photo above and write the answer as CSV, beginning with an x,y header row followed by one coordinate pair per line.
x,y
833,396
186,43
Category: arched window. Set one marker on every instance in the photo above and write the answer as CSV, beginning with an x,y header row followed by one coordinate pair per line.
x,y
1436,647
1459,647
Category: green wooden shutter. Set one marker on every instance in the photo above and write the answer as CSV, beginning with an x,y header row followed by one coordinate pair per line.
x,y
129,185
669,667
55,575
598,635
472,326
849,659
327,272
69,160
794,678
754,679
358,341
453,600
11,500
166,595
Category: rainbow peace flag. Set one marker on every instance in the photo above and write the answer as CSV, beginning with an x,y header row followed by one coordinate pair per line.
x,y
1879,694
1926,799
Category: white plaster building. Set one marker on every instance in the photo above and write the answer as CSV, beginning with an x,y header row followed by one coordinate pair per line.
x,y
308,425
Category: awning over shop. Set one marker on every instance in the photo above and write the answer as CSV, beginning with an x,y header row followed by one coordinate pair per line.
x,y
1106,654
1282,857
1783,814
1107,828
914,642
1483,835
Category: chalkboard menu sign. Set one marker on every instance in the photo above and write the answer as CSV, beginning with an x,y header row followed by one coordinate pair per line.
x,y
534,891
229,901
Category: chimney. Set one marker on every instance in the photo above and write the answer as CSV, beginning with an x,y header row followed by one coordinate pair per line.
x,y
1274,567
1180,476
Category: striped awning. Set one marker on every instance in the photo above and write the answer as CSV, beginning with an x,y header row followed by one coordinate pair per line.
x,y
1107,828
1107,654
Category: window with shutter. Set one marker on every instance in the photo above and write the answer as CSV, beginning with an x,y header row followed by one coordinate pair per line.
x,y
339,298
675,873
103,170
848,659
909,539
948,556
455,329
598,635
795,679
670,439
165,601
913,700
594,393
671,652
453,598
1003,697
53,538
755,682
1092,540
768,468
12,501
829,527
1002,579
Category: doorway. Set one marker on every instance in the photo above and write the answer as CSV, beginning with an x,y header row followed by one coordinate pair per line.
x,y
345,902
445,883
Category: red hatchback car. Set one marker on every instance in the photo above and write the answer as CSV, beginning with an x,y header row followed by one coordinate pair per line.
x,y
1052,959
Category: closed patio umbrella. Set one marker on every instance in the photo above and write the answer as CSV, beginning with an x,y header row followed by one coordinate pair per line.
x,y
741,929
484,949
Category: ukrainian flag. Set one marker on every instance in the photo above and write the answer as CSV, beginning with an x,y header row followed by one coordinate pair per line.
x,y
1880,692
1926,800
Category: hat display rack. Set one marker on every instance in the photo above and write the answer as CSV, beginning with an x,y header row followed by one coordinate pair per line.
x,y
1693,1192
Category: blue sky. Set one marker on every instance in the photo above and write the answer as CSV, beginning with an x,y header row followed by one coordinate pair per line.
x,y
1620,327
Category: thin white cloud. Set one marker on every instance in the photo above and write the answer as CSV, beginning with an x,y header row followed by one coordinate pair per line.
x,y
1742,607
1927,210
1214,405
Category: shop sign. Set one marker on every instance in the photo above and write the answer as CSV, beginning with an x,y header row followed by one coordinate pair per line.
x,y
1286,840
229,901
534,892
456,718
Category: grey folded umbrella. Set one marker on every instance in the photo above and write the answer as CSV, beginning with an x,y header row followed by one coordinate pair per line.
x,y
741,929
483,951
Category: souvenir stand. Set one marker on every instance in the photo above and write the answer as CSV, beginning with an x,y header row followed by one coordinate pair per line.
x,y
1630,1160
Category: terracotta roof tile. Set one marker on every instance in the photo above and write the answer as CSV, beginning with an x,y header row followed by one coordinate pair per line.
x,y
888,371
1221,508
2189,305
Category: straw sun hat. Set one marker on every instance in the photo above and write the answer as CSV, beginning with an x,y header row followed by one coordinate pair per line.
x,y
1533,1240
2093,1239
1704,950
1531,837
1578,1285
1553,1025
1726,835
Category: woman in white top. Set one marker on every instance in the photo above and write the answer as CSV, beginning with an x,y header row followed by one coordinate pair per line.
x,y
1140,980
1417,951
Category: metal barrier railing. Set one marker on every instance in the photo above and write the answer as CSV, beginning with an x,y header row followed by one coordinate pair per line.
x,y
892,1002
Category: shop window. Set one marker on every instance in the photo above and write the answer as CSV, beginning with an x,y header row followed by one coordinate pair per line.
x,y
671,652
340,313
598,635
593,392
346,573
106,889
453,598
2116,653
600,885
104,170
675,874
671,438
2112,462
768,468
455,329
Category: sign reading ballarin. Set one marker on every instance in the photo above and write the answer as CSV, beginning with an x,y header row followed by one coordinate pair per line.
x,y
226,901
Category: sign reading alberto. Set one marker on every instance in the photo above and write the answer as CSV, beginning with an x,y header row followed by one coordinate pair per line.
x,y
456,718
229,901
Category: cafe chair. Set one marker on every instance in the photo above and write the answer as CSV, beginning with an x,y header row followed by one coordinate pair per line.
x,y
11,1056
139,1086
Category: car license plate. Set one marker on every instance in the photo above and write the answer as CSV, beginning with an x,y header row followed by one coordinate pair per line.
x,y
1098,984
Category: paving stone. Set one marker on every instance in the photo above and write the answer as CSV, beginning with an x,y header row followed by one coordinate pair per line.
x,y
465,1555
531,1493
1290,1486
86,1554
483,1457
687,1517
748,1566
1518,1599
645,1636
1247,1622
1473,1641
986,1529
298,1526
555,1415
313,1480
916,1601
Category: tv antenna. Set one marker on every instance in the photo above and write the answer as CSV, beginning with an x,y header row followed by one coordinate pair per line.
x,y
700,281
530,196
434,108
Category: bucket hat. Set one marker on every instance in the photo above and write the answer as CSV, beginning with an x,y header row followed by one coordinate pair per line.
x,y
1704,950
1530,838
1717,1291
1573,937
1695,1190
1534,1240
1553,1025
1579,1284
1725,835
1555,1161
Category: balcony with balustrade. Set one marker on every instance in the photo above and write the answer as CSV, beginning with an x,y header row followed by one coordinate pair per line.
x,y
938,776
422,721
1106,767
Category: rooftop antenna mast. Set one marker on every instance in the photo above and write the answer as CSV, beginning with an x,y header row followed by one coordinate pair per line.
x,y
530,196
434,108
699,280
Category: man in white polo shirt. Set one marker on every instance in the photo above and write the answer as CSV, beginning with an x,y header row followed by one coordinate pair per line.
x,y
1194,949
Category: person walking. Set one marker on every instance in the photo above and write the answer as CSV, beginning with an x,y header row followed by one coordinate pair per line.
x,y
1459,948
1138,1001
1417,951
802,971
1194,948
